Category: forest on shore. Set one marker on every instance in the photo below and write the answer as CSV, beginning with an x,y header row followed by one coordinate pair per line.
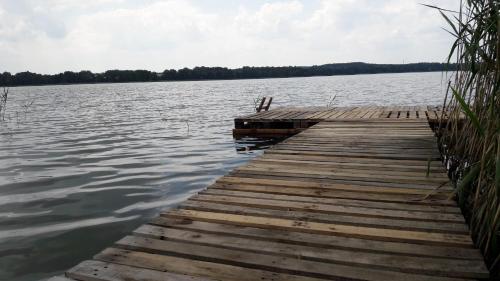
x,y
214,73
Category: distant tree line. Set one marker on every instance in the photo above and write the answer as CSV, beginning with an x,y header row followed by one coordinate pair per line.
x,y
214,73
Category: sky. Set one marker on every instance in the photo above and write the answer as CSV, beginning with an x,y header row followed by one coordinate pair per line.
x,y
51,36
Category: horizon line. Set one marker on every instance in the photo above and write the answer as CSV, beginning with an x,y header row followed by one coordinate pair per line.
x,y
224,67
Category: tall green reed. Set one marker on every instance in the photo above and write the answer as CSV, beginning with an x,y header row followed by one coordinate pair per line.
x,y
470,125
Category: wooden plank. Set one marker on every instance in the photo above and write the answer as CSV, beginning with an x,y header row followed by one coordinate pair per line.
x,y
360,112
287,116
375,120
318,240
457,240
359,155
347,192
357,148
281,115
397,177
372,124
409,264
343,142
267,175
297,115
103,271
215,190
372,133
379,113
316,115
409,143
347,219
333,114
412,112
369,143
434,166
368,150
215,270
404,112
349,172
281,264
331,209
361,187
325,113
337,114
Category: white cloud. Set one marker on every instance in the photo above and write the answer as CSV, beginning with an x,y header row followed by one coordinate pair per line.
x,y
57,35
272,19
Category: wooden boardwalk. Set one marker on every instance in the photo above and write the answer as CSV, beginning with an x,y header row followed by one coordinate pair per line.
x,y
350,199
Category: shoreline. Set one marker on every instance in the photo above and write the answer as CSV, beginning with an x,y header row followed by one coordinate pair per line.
x,y
228,79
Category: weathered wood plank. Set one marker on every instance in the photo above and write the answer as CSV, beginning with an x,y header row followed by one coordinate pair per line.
x,y
331,209
215,270
373,172
245,193
104,271
357,154
389,223
353,160
318,240
381,167
360,188
409,264
332,229
282,264
341,179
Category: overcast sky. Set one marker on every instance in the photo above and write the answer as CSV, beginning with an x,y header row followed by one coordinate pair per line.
x,y
55,35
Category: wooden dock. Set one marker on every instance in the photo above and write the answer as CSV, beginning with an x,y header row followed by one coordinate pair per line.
x,y
287,121
347,199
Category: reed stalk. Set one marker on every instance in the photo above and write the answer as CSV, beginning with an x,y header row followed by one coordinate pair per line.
x,y
470,124
3,103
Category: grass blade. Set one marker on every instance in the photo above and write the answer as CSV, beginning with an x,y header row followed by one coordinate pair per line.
x,y
472,116
468,179
497,168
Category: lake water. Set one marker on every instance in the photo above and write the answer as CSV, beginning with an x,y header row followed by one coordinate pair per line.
x,y
83,165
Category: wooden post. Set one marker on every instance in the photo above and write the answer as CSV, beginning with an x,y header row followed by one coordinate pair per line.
x,y
258,109
268,104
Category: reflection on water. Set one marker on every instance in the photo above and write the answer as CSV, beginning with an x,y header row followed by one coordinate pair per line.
x,y
86,164
247,144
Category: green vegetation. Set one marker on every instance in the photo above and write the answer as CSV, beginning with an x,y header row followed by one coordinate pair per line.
x,y
471,140
212,73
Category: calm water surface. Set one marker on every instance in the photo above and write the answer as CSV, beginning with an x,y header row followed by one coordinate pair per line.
x,y
83,165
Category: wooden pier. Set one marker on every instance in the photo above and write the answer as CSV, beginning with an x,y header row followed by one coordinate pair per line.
x,y
287,121
347,199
